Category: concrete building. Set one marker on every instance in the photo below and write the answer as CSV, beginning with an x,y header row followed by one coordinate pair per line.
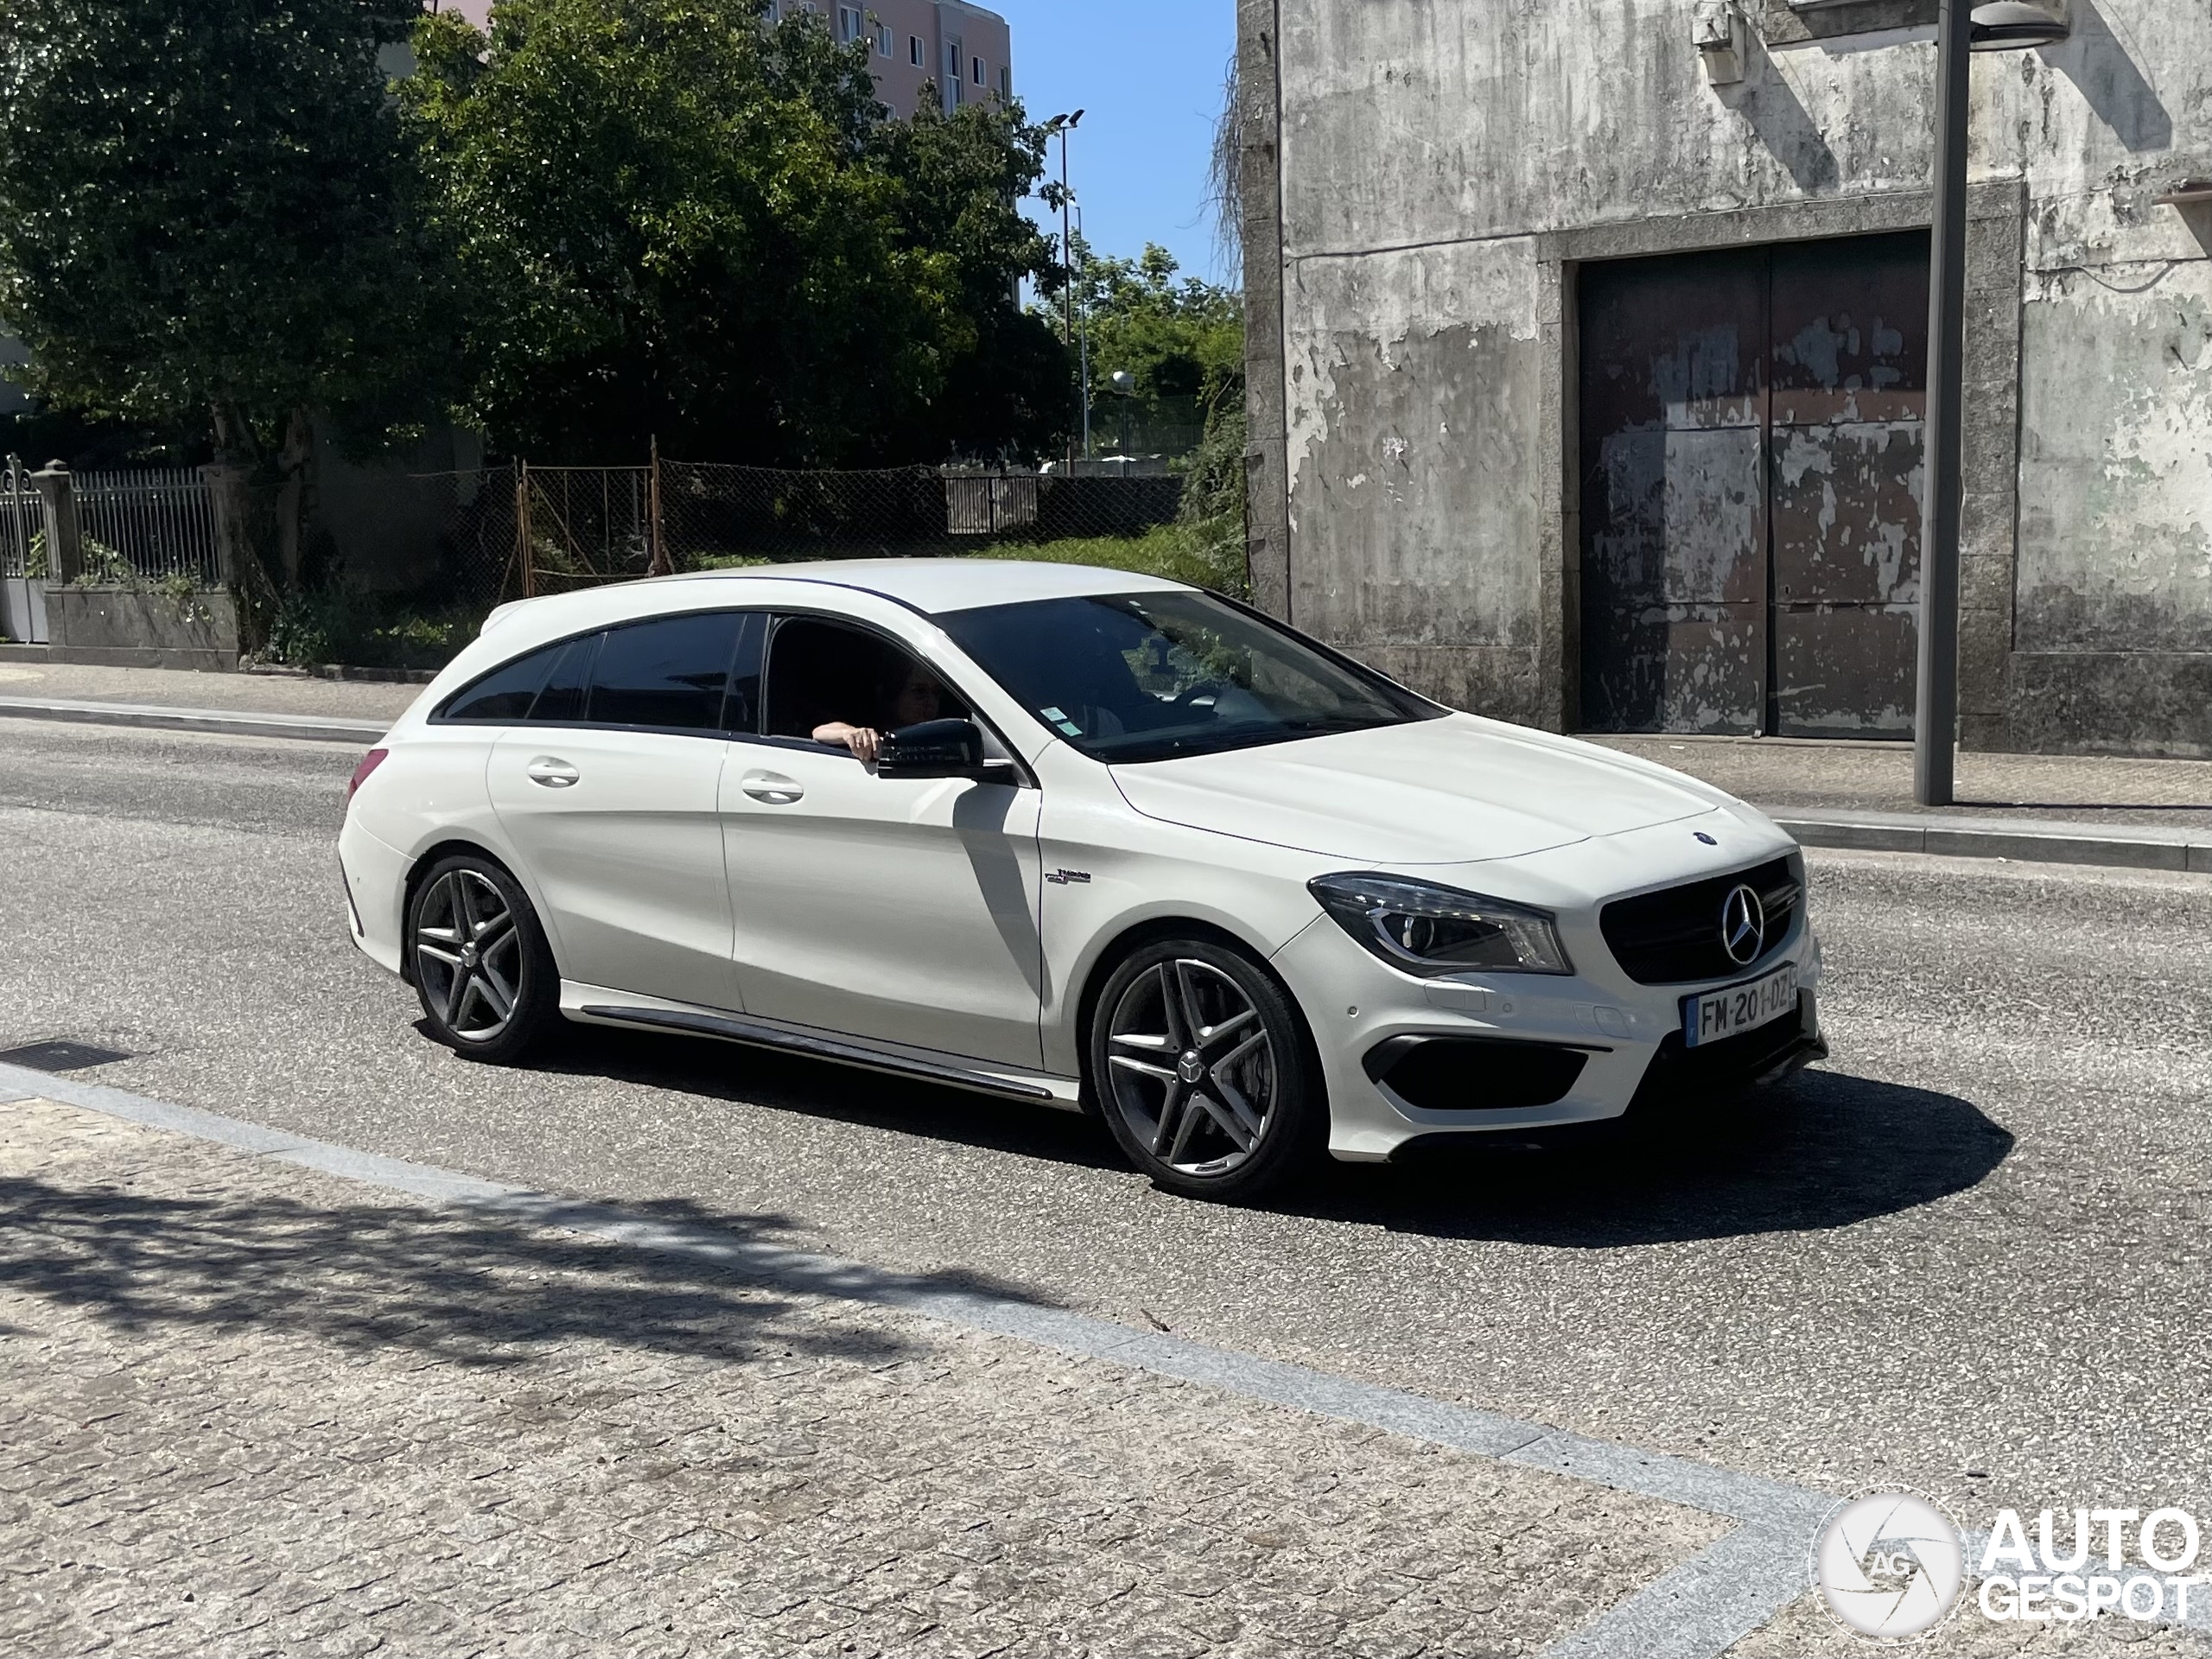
x,y
1587,360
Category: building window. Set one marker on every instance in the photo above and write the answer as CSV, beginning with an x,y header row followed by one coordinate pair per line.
x,y
848,25
882,41
1006,80
978,70
914,51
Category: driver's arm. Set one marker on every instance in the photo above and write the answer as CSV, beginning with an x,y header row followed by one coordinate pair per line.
x,y
864,741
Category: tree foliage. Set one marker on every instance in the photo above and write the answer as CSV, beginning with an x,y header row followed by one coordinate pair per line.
x,y
1181,341
206,220
674,219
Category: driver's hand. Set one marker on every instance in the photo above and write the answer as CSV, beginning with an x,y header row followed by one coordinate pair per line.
x,y
866,743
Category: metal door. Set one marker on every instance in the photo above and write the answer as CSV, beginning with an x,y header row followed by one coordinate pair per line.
x,y
1750,450
1674,511
1849,381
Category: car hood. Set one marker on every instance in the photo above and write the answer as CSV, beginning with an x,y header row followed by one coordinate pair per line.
x,y
1434,792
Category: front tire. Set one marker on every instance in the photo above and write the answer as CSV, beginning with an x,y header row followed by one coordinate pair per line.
x,y
482,967
1203,1070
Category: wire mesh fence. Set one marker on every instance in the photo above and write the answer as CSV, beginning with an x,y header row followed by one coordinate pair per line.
x,y
472,517
712,514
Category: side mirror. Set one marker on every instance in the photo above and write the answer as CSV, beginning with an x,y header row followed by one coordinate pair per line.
x,y
935,748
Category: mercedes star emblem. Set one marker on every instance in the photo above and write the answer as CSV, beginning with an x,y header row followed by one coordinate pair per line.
x,y
1743,927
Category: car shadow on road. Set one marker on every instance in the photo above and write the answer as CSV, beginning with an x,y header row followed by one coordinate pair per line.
x,y
461,1284
1823,1150
810,1088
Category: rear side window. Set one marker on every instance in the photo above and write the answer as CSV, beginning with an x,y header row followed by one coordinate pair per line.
x,y
505,694
562,699
671,673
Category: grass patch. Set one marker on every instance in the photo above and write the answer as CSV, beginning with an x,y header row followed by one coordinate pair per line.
x,y
1209,553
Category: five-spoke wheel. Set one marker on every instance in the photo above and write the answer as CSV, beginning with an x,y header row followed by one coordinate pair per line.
x,y
480,962
1199,1066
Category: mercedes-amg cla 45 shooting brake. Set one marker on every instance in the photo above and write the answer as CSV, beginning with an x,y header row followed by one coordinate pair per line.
x,y
1074,837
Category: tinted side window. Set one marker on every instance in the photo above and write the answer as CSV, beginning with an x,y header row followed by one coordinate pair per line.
x,y
505,693
670,672
562,699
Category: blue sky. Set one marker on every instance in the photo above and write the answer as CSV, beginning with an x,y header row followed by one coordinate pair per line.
x,y
1147,74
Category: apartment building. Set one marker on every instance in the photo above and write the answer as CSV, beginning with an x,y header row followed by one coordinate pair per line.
x,y
967,52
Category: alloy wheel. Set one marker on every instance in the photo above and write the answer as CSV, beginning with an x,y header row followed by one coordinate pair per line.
x,y
1193,1069
468,955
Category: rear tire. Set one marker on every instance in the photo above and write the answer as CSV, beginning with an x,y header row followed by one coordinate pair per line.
x,y
1204,1071
489,987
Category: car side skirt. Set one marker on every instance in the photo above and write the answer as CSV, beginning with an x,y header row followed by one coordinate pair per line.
x,y
596,1005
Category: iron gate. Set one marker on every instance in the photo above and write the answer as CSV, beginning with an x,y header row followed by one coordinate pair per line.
x,y
1751,467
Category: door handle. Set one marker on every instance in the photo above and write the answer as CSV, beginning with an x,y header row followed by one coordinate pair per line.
x,y
771,787
553,774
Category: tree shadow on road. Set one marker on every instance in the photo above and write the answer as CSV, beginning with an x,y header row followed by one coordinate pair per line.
x,y
456,1284
1823,1150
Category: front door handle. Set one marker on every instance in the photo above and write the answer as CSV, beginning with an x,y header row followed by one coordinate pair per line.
x,y
553,774
771,788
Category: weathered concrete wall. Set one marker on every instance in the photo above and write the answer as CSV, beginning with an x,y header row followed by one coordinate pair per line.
x,y
1439,162
125,627
1411,383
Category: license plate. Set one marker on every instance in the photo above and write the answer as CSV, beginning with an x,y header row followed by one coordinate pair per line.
x,y
1719,1014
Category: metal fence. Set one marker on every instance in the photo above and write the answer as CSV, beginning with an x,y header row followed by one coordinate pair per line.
x,y
148,523
23,522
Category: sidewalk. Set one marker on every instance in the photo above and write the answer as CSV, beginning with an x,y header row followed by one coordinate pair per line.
x,y
255,1408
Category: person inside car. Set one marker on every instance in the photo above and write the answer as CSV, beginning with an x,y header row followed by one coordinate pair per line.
x,y
918,697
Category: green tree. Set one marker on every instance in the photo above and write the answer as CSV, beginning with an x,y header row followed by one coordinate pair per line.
x,y
206,224
673,219
1181,342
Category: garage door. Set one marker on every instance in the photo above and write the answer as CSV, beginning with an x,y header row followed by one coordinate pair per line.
x,y
1750,470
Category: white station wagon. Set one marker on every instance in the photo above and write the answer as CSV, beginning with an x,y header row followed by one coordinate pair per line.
x,y
1091,840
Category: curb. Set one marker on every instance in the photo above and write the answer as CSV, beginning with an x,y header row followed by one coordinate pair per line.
x,y
2138,847
233,722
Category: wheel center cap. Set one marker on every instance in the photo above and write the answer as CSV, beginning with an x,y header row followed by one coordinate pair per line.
x,y
1191,1067
468,956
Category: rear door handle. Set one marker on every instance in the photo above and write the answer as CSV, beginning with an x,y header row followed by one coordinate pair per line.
x,y
553,774
771,788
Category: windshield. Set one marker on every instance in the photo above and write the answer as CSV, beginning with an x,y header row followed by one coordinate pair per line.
x,y
1149,676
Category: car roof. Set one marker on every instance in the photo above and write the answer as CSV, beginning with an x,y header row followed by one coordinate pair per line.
x,y
937,586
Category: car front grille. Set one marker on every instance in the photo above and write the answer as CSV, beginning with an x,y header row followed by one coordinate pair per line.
x,y
1673,936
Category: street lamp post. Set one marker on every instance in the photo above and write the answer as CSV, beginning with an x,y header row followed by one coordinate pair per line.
x,y
1062,125
1963,29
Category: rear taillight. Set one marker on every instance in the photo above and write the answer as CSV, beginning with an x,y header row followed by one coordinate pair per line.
x,y
370,762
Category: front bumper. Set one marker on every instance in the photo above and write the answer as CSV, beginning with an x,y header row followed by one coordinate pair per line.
x,y
1556,1050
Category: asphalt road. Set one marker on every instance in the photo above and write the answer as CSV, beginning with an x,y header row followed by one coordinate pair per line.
x,y
1970,1253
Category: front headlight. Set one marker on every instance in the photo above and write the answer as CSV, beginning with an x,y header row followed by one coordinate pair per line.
x,y
1418,927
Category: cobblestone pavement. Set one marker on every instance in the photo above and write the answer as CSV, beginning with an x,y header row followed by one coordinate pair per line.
x,y
250,1409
